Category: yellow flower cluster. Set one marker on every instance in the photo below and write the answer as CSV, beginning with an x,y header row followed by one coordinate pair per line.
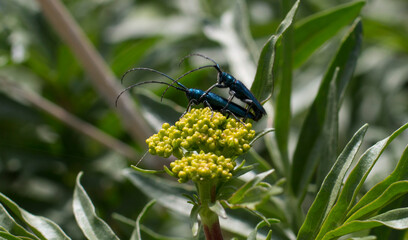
x,y
198,132
202,167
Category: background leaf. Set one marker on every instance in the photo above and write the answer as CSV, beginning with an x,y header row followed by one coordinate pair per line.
x,y
136,233
42,227
263,83
312,32
306,153
92,226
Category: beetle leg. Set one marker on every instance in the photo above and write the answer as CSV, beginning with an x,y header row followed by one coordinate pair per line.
x,y
232,95
208,90
236,118
192,101
209,106
250,104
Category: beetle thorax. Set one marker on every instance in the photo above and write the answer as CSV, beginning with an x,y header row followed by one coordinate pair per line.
x,y
227,79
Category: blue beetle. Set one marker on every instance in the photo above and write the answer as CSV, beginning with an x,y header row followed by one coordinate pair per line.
x,y
197,96
236,88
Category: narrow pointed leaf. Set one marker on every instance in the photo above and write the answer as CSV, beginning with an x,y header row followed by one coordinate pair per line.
x,y
397,219
330,188
354,182
308,143
263,84
42,227
92,226
312,32
8,224
400,173
252,235
218,209
363,238
261,134
8,236
241,192
167,193
136,232
329,133
284,70
148,171
393,192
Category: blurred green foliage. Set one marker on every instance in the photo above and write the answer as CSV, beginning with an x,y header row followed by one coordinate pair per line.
x,y
40,156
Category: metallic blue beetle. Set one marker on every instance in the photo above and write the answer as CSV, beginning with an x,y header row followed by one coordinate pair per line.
x,y
197,96
236,88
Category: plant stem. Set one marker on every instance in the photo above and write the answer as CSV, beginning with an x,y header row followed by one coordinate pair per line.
x,y
209,219
69,119
100,75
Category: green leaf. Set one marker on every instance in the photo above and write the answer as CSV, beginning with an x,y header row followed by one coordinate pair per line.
x,y
328,148
400,173
8,236
363,238
252,235
91,225
218,209
261,134
397,219
194,220
307,149
254,157
330,188
242,191
40,226
8,224
263,83
283,70
312,32
354,182
167,193
136,232
146,170
242,169
393,192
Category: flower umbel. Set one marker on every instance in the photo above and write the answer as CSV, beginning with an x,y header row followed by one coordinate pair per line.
x,y
199,131
203,167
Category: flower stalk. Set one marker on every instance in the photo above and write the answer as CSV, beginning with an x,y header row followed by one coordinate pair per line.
x,y
209,219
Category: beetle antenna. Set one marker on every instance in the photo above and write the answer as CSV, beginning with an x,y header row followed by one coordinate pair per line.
x,y
199,55
182,88
146,69
177,80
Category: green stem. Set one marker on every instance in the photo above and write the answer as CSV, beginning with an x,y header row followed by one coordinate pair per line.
x,y
209,219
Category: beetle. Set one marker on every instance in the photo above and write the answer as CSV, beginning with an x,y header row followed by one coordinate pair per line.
x,y
236,88
197,96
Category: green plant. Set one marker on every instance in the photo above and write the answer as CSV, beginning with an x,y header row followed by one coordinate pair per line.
x,y
318,192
